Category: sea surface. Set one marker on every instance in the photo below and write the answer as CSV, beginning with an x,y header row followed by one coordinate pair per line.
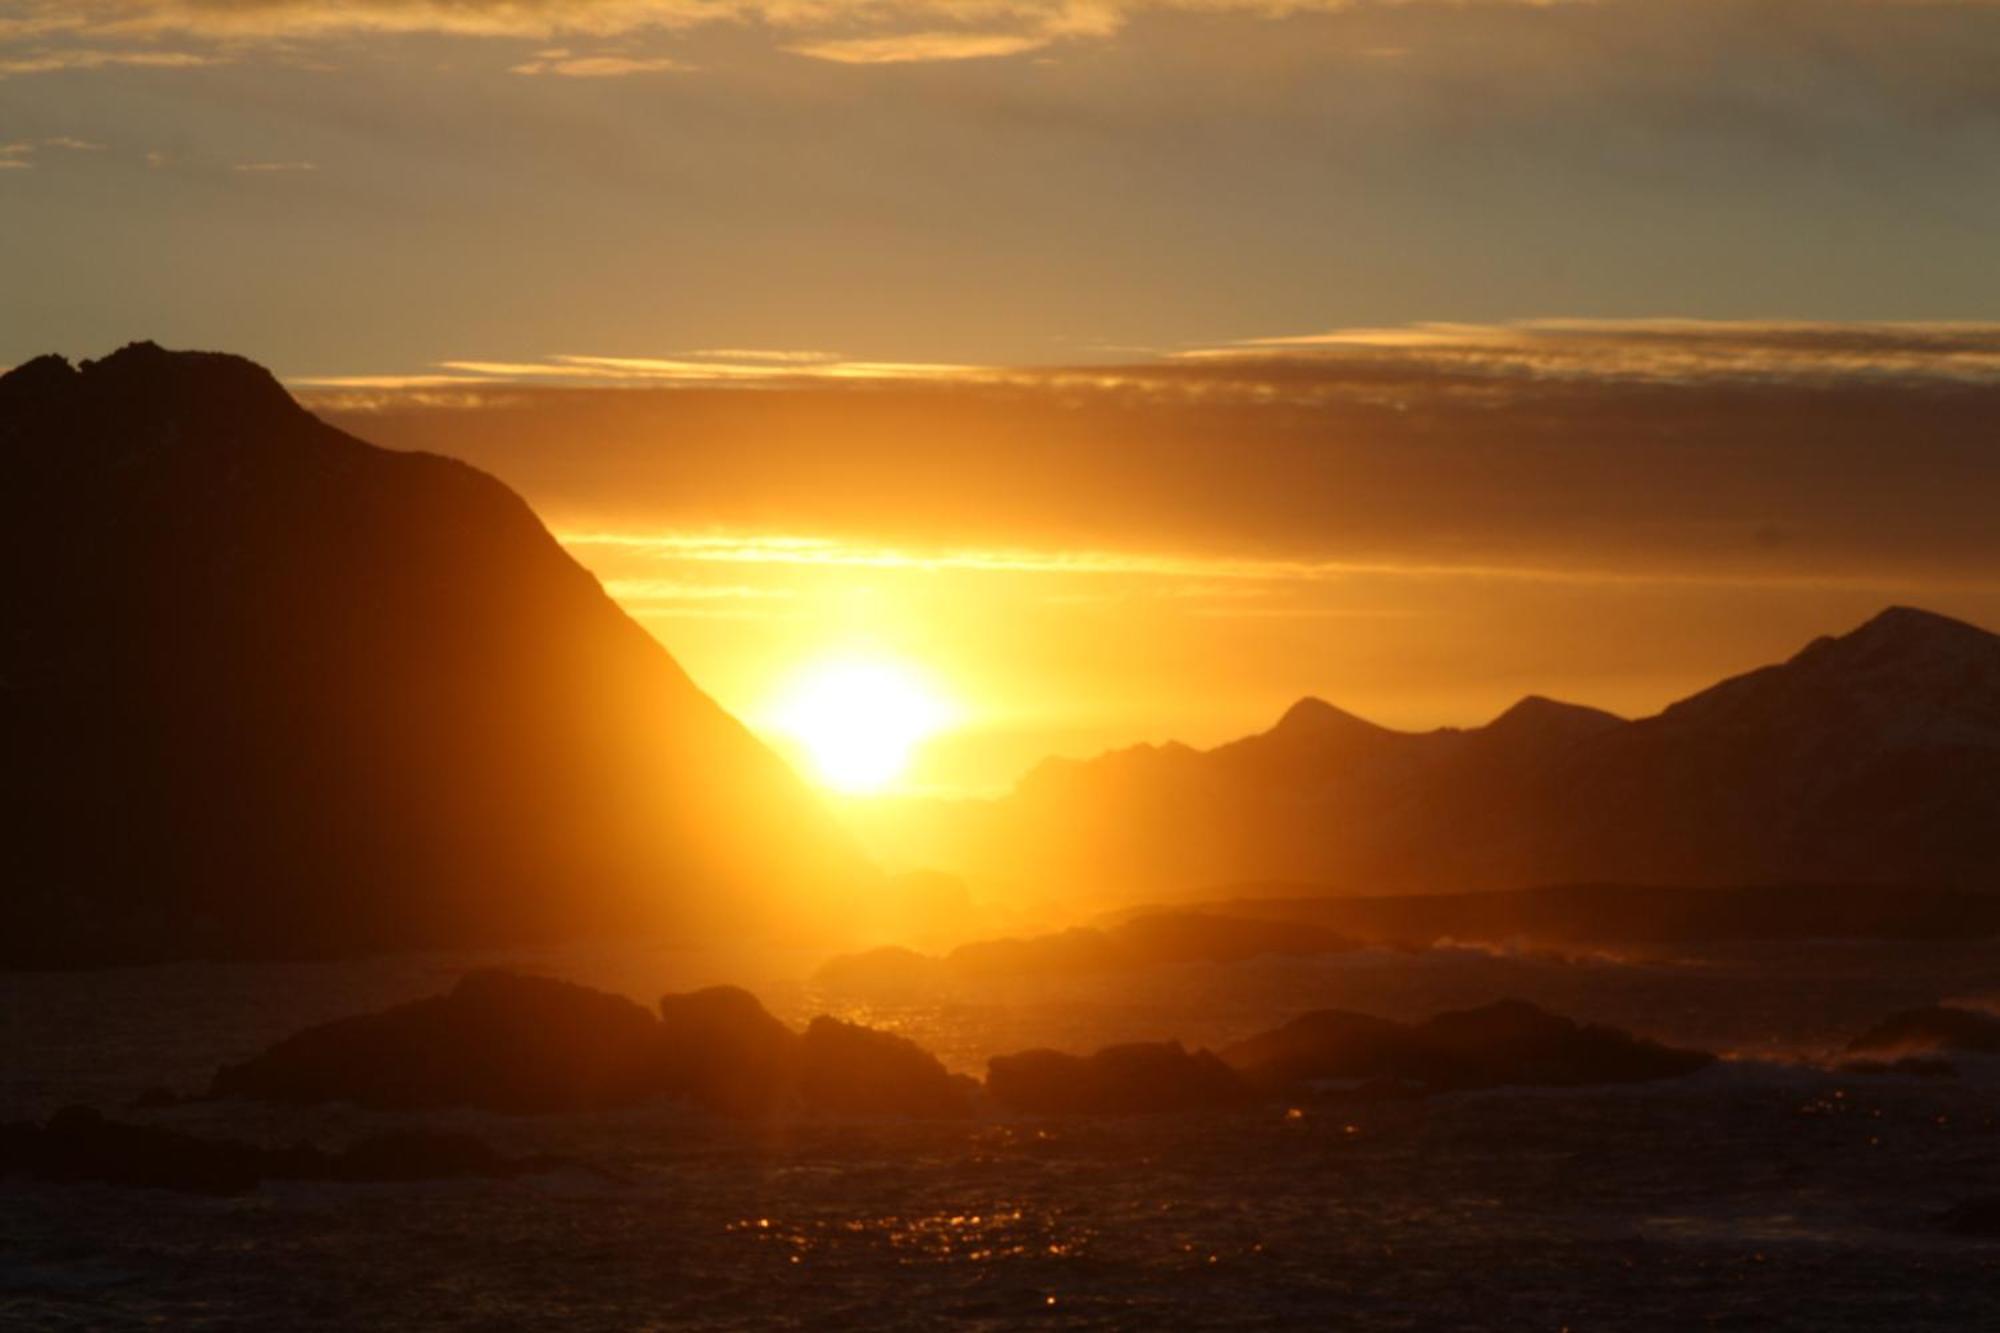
x,y
1767,1192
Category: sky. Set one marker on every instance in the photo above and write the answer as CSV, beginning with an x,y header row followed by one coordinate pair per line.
x,y
1130,367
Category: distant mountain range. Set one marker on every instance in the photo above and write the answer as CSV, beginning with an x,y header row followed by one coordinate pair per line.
x,y
267,690
1871,758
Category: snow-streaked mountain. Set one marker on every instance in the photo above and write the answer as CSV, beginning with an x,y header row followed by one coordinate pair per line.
x,y
1873,757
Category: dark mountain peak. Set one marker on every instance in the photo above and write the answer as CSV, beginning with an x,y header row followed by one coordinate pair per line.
x,y
44,374
1312,717
144,396
1903,632
335,698
210,388
1906,679
1538,715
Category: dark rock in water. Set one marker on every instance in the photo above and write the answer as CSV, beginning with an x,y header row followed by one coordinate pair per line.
x,y
1205,937
271,691
425,1154
1151,940
888,968
1973,1217
1512,1041
720,1048
504,1042
1913,1066
497,1040
78,1145
1508,1042
1937,1027
1070,952
1324,1044
847,1069
1140,1077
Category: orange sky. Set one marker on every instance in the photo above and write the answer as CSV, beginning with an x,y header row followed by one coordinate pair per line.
x,y
1420,527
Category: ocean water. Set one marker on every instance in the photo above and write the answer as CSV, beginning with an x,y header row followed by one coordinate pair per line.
x,y
1767,1192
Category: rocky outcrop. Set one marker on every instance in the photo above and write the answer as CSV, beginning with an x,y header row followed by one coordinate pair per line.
x,y
1508,1042
847,1069
504,1042
498,1040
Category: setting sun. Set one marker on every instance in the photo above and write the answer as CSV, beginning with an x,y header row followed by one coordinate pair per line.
x,y
859,719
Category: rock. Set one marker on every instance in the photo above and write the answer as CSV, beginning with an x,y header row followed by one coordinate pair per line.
x,y
1205,937
720,1048
1509,1042
1324,1044
1973,1217
1936,1027
892,968
79,1145
427,1154
504,1042
1914,1066
1140,1077
847,1069
1078,951
498,1040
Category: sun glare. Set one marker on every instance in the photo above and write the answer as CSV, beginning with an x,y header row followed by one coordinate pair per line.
x,y
860,719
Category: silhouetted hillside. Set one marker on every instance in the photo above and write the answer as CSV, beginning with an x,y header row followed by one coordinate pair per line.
x,y
1873,758
266,689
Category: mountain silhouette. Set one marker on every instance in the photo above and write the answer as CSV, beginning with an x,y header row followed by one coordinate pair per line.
x,y
1870,758
268,690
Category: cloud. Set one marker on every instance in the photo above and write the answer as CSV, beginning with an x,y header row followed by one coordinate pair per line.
x,y
92,58
273,168
912,47
1557,454
717,367
700,548
1642,350
565,64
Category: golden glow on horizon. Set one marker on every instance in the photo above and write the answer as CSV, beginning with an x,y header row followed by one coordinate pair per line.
x,y
860,719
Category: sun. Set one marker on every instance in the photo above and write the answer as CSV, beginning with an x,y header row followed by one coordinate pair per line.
x,y
860,719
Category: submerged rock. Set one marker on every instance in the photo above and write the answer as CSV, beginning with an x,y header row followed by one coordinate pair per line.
x,y
847,1069
1508,1042
1936,1027
720,1048
889,968
1143,1076
1973,1217
497,1040
1154,939
78,1145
